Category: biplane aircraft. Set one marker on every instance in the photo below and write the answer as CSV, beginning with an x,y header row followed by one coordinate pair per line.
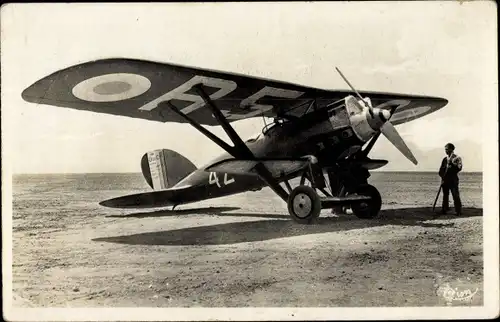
x,y
322,136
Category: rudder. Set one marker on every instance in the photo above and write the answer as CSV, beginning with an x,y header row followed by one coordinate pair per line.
x,y
164,168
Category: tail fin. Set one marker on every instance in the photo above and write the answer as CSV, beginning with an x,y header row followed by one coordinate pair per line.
x,y
164,168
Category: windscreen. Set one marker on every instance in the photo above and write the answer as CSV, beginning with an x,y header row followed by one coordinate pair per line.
x,y
337,112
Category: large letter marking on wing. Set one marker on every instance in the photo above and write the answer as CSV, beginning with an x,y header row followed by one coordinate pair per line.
x,y
250,102
226,87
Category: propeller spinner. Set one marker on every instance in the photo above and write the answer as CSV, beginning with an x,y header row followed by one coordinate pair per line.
x,y
368,121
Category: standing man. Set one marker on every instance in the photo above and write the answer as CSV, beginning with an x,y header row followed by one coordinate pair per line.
x,y
450,167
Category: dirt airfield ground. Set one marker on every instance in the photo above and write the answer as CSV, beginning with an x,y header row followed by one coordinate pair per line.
x,y
238,251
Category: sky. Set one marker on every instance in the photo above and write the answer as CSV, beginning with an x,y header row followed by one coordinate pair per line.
x,y
445,49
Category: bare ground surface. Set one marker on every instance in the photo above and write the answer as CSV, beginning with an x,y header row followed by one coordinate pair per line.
x,y
223,254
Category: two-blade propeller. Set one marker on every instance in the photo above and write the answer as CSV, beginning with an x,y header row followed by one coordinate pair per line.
x,y
386,127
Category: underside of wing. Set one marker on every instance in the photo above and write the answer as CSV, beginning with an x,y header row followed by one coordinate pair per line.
x,y
277,167
409,108
145,89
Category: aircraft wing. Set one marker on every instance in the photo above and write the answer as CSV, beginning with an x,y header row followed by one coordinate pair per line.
x,y
143,89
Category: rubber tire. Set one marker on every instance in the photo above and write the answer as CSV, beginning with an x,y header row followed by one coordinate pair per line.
x,y
374,205
315,204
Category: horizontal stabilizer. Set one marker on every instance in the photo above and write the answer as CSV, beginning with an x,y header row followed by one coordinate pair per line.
x,y
278,167
330,202
153,199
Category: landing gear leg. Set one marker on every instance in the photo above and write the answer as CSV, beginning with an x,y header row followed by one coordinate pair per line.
x,y
338,190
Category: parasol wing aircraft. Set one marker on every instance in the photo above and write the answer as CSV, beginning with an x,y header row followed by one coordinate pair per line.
x,y
320,136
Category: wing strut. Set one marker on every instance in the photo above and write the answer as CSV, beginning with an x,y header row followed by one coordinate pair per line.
x,y
370,145
239,150
229,149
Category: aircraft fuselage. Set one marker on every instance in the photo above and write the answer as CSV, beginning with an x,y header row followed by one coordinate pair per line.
x,y
325,139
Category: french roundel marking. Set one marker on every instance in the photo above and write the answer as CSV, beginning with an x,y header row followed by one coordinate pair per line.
x,y
413,112
111,87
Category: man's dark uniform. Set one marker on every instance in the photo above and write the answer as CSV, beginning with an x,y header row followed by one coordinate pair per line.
x,y
450,167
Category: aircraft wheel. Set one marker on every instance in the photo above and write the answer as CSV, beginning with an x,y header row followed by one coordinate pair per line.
x,y
304,204
368,209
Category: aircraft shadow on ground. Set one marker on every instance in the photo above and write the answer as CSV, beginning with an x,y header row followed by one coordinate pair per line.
x,y
281,226
170,213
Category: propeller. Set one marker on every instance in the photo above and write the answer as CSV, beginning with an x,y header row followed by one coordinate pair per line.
x,y
355,91
378,120
390,132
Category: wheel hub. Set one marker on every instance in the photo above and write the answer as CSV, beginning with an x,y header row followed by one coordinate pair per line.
x,y
302,205
364,206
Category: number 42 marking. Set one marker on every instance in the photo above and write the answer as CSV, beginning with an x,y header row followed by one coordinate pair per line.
x,y
214,179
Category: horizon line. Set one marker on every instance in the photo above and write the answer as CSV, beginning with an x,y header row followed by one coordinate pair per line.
x,y
137,172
